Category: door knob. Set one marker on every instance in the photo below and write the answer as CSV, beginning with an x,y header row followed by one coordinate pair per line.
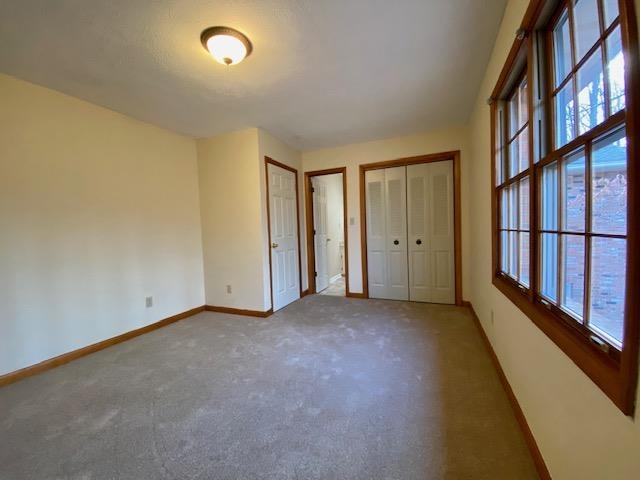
x,y
418,242
396,242
274,245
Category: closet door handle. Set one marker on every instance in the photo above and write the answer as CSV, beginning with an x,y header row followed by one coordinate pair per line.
x,y
418,242
396,242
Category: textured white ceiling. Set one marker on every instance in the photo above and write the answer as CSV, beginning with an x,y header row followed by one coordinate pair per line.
x,y
322,73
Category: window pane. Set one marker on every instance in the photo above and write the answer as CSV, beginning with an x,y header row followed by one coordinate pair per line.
x,y
518,109
562,49
504,251
523,109
524,258
523,153
573,274
504,208
499,148
591,93
513,115
550,197
610,11
513,254
615,71
608,270
514,161
519,153
565,118
573,192
524,203
609,184
513,207
587,26
549,265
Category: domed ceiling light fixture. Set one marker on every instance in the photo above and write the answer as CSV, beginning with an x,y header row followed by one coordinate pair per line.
x,y
226,45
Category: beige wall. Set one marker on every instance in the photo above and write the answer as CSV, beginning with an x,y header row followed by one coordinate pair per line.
x,y
232,233
97,211
354,155
233,202
580,432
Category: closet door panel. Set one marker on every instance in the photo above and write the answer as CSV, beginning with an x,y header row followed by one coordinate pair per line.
x,y
418,220
431,232
442,244
396,216
376,233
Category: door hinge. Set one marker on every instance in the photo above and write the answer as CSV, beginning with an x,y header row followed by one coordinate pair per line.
x,y
315,274
313,190
314,231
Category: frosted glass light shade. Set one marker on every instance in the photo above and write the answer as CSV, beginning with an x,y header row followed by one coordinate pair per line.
x,y
226,45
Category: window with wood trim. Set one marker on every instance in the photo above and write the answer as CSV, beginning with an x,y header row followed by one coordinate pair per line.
x,y
565,139
513,170
588,67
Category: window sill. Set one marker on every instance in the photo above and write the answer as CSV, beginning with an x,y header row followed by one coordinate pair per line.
x,y
597,365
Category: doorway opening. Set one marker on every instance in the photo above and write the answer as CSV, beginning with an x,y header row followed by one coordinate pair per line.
x,y
326,213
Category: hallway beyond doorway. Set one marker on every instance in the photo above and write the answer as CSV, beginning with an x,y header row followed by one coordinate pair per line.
x,y
336,287
327,253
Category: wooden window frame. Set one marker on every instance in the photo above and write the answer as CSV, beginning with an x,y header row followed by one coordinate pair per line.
x,y
614,371
576,65
515,180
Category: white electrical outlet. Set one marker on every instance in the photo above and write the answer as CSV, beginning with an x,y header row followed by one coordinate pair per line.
x,y
148,302
228,288
352,220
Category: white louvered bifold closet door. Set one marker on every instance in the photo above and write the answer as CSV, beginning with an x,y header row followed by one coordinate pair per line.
x,y
387,233
376,233
431,232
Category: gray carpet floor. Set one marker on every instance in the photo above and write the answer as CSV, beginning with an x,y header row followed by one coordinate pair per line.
x,y
328,388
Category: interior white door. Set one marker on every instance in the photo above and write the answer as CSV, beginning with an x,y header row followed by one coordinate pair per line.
x,y
285,276
387,233
321,235
431,232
